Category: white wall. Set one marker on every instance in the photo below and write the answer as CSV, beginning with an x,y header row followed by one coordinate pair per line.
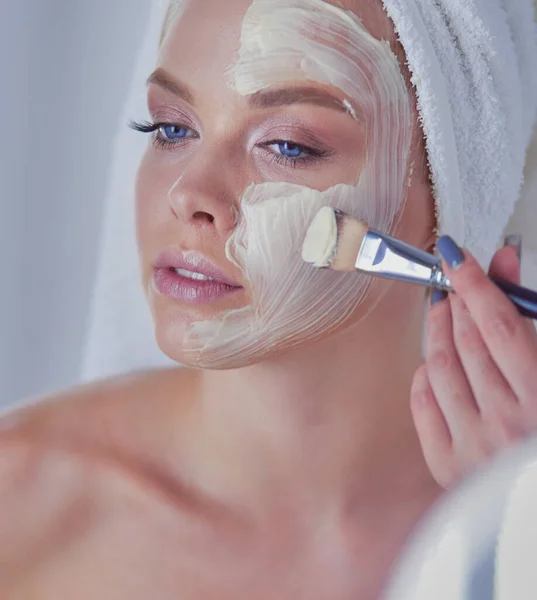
x,y
65,70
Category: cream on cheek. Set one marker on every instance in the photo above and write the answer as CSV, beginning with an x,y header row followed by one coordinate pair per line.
x,y
289,40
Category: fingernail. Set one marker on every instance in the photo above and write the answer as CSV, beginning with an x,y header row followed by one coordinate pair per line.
x,y
438,296
515,241
450,252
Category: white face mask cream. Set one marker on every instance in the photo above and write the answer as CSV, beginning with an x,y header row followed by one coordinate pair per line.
x,y
287,41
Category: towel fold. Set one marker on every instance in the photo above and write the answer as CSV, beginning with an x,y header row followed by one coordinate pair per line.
x,y
474,68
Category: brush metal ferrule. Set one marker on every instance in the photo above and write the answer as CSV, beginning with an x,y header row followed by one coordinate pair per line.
x,y
390,258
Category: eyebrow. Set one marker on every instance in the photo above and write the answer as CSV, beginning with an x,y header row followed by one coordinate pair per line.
x,y
296,95
263,99
163,79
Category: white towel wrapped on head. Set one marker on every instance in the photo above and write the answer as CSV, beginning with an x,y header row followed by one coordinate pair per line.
x,y
474,68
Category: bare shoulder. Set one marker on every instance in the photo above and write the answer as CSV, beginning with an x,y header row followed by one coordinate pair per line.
x,y
66,459
102,412
36,487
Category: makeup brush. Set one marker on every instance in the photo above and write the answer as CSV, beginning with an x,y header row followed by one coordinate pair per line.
x,y
340,242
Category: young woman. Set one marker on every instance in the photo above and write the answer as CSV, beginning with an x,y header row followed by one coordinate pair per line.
x,y
296,454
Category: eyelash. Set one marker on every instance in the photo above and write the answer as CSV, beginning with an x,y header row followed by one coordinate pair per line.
x,y
313,154
154,128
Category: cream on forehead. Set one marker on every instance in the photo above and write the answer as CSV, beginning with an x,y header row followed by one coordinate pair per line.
x,y
284,41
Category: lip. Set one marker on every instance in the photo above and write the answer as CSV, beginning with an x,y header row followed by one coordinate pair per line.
x,y
178,287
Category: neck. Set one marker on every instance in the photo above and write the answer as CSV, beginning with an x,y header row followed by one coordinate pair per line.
x,y
329,424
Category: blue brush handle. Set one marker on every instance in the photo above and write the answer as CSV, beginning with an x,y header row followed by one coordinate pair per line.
x,y
524,299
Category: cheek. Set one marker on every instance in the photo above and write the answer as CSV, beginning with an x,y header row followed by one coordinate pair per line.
x,y
292,300
153,182
418,224
143,193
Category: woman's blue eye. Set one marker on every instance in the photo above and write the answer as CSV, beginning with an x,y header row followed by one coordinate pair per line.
x,y
290,150
174,132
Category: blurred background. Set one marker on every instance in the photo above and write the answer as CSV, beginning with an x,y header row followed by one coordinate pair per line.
x,y
66,70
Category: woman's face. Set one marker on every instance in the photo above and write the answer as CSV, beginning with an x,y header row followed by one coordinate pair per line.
x,y
269,110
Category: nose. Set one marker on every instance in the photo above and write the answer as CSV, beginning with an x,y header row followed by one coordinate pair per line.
x,y
206,194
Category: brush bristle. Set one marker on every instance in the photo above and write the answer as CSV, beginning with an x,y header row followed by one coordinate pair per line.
x,y
333,240
319,245
351,233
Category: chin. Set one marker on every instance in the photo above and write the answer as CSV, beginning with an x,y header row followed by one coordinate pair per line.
x,y
175,339
216,338
174,324
175,343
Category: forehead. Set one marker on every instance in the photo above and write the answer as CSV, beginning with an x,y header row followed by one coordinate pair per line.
x,y
205,30
201,36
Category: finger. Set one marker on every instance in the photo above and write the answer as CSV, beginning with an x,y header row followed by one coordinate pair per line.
x,y
431,427
502,328
505,265
503,420
445,373
514,240
491,391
